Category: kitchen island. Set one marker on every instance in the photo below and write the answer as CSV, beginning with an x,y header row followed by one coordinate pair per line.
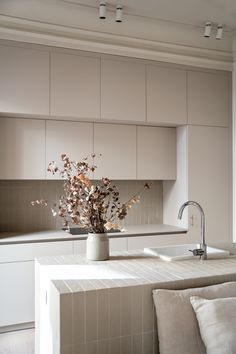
x,y
106,307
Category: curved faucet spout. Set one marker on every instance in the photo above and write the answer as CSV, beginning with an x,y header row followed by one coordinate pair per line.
x,y
198,206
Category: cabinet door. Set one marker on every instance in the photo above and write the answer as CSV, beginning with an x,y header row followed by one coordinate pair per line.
x,y
208,181
208,99
117,145
141,242
80,247
24,76
118,244
72,138
122,90
156,153
17,293
22,153
166,95
75,86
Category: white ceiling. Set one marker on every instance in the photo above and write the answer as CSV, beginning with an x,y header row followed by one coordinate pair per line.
x,y
190,12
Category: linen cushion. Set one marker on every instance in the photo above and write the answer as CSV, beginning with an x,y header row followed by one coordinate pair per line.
x,y
178,330
217,323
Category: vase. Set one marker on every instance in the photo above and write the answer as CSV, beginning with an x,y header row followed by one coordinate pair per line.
x,y
97,247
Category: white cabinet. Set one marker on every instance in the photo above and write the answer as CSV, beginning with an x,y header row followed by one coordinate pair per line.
x,y
141,242
17,293
166,95
122,90
22,153
208,180
208,98
203,175
75,86
17,278
156,153
117,144
80,247
24,76
72,138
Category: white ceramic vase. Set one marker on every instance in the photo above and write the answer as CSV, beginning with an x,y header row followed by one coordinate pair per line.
x,y
97,247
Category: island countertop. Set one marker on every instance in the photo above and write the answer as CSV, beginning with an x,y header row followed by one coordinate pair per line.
x,y
90,305
7,238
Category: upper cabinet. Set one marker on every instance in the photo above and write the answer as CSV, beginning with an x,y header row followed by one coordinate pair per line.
x,y
74,139
24,77
22,153
123,90
117,145
208,98
75,86
156,153
166,95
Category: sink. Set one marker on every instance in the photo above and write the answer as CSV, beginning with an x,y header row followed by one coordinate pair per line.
x,y
181,252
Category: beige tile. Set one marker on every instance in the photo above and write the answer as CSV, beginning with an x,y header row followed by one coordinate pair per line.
x,y
114,312
148,309
103,347
136,309
78,318
103,313
92,347
137,344
114,346
91,315
80,348
147,343
66,320
126,345
126,303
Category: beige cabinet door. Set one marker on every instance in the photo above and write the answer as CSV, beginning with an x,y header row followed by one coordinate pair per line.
x,y
156,153
166,95
74,139
122,90
208,181
22,153
75,86
208,98
24,77
117,145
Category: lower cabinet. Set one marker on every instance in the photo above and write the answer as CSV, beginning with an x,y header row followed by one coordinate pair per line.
x,y
17,293
140,242
17,279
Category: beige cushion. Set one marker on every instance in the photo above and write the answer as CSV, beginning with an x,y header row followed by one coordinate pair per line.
x,y
178,330
217,323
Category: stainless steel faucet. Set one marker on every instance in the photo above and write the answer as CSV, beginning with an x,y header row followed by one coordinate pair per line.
x,y
202,252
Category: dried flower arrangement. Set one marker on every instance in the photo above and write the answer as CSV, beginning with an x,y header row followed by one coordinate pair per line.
x,y
93,207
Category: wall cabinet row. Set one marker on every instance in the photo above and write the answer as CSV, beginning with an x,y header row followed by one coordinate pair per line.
x,y
127,151
56,84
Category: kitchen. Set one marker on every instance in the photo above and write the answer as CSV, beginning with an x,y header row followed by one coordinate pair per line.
x,y
73,83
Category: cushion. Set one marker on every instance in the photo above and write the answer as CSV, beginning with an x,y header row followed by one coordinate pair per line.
x,y
178,330
217,323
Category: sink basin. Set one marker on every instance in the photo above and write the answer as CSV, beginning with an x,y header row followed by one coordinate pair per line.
x,y
181,252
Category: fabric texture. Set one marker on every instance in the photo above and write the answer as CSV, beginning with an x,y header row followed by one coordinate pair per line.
x,y
217,323
178,331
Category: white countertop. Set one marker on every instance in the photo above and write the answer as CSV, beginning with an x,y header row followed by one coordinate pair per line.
x,y
131,268
7,238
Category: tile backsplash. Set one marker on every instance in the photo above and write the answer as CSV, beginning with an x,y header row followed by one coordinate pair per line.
x,y
17,214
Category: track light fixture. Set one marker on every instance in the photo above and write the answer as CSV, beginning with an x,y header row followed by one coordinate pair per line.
x,y
219,32
118,13
207,31
102,10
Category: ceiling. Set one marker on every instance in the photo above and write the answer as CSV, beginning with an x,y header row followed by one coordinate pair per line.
x,y
166,30
189,12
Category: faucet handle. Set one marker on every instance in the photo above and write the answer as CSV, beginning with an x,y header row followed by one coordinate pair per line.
x,y
198,252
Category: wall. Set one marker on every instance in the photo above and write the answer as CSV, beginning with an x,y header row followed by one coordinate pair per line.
x,y
17,214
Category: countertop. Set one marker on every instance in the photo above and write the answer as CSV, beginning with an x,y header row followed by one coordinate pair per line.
x,y
132,268
7,238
